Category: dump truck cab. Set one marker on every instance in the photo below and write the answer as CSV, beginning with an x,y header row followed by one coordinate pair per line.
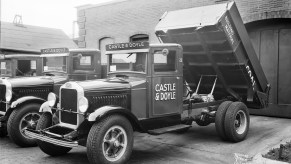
x,y
21,97
155,74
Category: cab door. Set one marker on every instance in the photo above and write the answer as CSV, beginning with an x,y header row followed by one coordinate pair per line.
x,y
166,81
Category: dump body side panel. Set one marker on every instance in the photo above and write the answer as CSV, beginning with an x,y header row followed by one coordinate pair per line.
x,y
216,43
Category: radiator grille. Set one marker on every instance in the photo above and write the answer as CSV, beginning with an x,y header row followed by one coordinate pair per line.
x,y
99,101
2,97
69,102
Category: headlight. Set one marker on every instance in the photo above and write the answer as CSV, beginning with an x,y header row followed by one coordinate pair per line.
x,y
83,104
8,95
51,98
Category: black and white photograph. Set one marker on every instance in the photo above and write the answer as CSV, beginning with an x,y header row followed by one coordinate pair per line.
x,y
145,81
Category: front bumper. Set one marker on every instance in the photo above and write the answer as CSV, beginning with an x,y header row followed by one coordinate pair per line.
x,y
56,140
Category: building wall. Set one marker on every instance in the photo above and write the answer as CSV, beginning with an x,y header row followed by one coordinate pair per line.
x,y
121,19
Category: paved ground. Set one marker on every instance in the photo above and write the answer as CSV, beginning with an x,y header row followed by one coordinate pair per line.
x,y
198,145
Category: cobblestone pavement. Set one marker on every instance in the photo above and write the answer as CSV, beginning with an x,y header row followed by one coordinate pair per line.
x,y
198,145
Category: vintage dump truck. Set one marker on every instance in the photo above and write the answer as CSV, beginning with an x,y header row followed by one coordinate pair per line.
x,y
21,98
210,76
16,65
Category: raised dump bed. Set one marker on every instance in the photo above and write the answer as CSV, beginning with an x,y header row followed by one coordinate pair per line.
x,y
215,42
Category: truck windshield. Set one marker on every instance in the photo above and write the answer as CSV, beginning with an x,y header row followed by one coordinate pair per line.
x,y
55,64
6,68
127,62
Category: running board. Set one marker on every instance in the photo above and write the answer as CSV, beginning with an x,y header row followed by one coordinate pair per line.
x,y
168,129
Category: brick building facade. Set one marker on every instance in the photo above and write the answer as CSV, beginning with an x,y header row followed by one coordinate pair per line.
x,y
268,23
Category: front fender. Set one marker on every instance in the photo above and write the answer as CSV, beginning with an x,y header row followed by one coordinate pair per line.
x,y
45,108
108,110
21,100
100,112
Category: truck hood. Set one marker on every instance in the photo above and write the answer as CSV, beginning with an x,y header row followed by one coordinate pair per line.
x,y
40,81
105,85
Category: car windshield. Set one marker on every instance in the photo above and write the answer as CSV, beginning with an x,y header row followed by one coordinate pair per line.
x,y
55,64
135,62
6,68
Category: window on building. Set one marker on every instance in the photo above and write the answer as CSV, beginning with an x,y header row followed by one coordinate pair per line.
x,y
139,38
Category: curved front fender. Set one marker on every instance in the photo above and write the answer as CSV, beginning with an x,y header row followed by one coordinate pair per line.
x,y
110,110
98,113
25,99
45,108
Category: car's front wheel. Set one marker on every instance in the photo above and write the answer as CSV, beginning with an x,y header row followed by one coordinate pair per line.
x,y
110,140
25,116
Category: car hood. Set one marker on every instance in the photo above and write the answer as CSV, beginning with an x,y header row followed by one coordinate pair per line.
x,y
40,81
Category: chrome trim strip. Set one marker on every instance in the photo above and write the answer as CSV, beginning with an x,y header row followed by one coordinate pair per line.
x,y
58,142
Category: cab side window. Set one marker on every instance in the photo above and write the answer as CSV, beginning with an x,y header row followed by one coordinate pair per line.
x,y
164,61
83,62
6,68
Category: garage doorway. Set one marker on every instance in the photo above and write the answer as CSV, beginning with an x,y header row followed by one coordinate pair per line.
x,y
272,43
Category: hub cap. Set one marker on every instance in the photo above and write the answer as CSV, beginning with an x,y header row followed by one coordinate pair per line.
x,y
114,143
28,121
240,122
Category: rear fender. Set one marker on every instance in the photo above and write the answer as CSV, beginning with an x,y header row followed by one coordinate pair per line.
x,y
110,110
26,99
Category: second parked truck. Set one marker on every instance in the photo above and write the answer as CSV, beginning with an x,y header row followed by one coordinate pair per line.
x,y
205,71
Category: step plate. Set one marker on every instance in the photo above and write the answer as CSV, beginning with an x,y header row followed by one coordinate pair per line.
x,y
168,129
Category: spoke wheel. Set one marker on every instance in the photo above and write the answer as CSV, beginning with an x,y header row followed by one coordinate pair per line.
x,y
110,140
25,116
29,121
114,143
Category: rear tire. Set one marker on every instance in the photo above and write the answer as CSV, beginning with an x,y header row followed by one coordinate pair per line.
x,y
219,119
110,141
25,116
237,121
45,121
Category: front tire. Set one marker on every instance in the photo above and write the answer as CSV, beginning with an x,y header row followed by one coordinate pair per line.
x,y
110,141
237,121
25,116
45,121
